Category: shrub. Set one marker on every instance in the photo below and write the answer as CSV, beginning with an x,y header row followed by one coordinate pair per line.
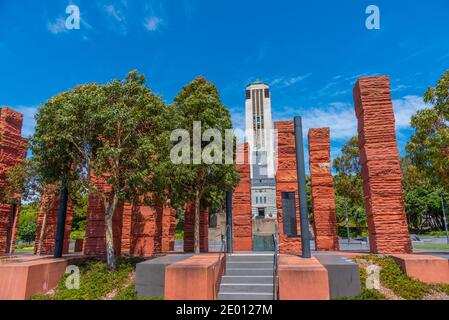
x,y
95,282
392,277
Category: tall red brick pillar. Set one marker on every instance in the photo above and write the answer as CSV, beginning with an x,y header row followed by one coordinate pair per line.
x,y
126,232
323,198
381,172
95,242
13,149
147,230
137,229
241,206
189,222
168,229
48,218
287,182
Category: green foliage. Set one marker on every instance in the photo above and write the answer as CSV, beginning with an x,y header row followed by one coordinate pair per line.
x,y
199,101
433,247
80,215
423,207
115,131
354,232
28,222
349,161
96,282
392,277
23,248
349,186
130,293
199,182
78,235
428,148
179,235
366,294
422,198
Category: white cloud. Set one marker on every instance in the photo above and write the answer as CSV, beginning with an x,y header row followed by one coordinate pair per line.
x,y
405,108
28,119
153,23
114,13
119,22
284,82
340,117
58,26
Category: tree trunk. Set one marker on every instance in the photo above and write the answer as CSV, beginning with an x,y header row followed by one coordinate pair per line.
x,y
109,215
196,232
42,233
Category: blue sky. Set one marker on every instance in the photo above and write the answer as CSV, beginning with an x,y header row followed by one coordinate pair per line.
x,y
311,52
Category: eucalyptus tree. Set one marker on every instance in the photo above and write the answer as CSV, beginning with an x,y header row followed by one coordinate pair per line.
x,y
202,167
131,143
428,148
115,132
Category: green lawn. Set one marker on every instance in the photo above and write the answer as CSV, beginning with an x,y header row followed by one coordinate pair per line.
x,y
24,248
433,246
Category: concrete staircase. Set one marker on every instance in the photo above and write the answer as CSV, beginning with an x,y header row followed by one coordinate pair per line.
x,y
249,276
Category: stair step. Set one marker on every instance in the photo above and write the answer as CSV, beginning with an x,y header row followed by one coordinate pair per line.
x,y
246,288
247,279
242,296
250,265
233,271
245,258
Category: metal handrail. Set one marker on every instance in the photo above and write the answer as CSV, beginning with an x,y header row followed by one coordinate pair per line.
x,y
222,251
276,264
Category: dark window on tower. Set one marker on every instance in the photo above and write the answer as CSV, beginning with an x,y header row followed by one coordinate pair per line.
x,y
267,93
248,94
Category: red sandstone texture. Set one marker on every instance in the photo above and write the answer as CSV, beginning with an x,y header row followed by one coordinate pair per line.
x,y
13,149
146,231
138,230
381,172
189,223
49,208
287,181
95,243
168,229
323,199
241,207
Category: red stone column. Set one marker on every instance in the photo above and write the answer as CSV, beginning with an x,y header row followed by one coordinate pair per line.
x,y
287,181
381,172
323,199
126,232
95,243
13,149
168,229
241,207
146,231
189,222
49,212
